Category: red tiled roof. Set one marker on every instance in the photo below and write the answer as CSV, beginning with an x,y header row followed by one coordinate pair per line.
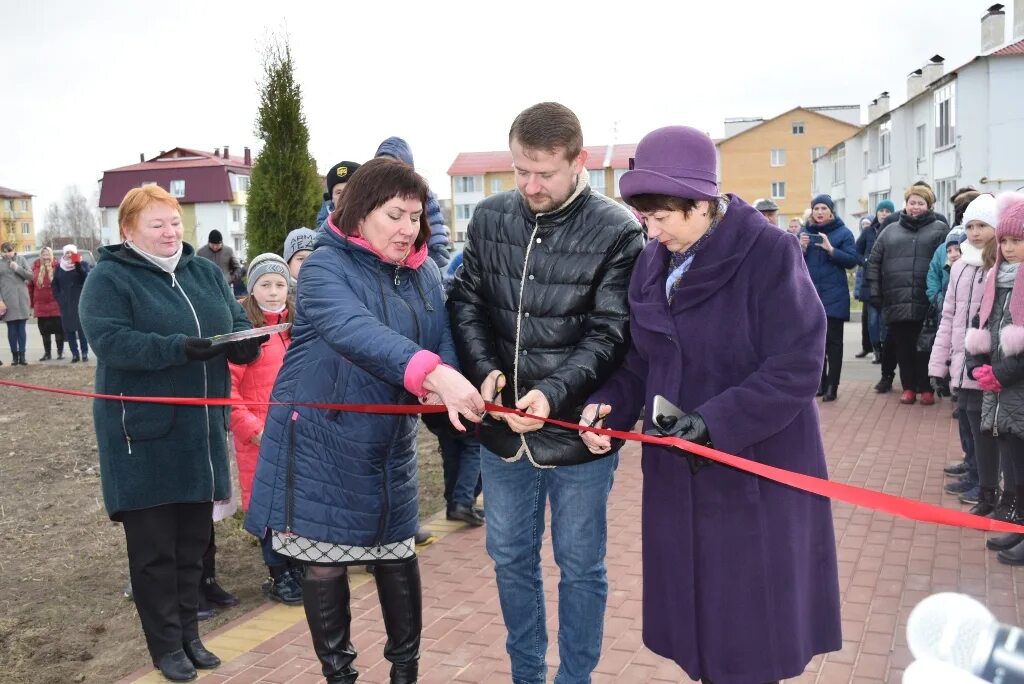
x,y
1012,49
7,193
206,177
479,163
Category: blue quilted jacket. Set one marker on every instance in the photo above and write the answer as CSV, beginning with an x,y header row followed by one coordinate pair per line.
x,y
348,478
829,272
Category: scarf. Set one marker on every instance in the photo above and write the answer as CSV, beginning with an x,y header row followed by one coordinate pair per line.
x,y
679,262
165,264
273,311
970,254
914,223
66,264
1007,274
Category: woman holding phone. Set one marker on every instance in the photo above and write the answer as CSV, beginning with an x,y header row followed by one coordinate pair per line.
x,y
829,250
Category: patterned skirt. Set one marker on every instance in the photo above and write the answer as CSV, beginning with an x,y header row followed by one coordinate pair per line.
x,y
316,552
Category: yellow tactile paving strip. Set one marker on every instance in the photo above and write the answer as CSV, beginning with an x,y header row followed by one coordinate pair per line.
x,y
251,630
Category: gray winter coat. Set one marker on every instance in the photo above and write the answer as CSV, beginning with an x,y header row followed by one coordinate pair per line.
x,y
1003,412
897,269
14,288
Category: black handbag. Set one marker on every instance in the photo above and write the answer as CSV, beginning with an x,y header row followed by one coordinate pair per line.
x,y
929,329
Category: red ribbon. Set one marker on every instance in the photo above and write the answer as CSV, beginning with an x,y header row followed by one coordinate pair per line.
x,y
858,496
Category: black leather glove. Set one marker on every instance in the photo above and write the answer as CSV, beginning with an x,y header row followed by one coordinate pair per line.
x,y
202,349
691,427
245,351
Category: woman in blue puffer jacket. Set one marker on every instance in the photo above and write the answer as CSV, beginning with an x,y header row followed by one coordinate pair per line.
x,y
829,250
332,488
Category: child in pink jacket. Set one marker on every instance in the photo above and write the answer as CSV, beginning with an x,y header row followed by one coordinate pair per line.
x,y
269,303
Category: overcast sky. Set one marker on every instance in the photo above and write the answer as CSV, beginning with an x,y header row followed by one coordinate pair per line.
x,y
87,86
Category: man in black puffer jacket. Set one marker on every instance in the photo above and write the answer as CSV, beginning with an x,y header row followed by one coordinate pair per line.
x,y
540,319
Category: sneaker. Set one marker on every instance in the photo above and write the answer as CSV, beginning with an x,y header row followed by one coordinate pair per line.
x,y
862,354
971,496
955,469
960,486
216,594
424,536
927,398
285,589
908,397
128,593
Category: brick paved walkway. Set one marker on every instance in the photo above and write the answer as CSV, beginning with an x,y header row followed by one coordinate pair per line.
x,y
886,566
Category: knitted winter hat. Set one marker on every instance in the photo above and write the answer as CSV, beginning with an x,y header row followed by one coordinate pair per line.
x,y
1010,223
885,204
70,249
265,264
299,240
826,200
982,208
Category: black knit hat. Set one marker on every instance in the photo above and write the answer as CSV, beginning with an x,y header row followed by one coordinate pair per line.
x,y
340,173
215,237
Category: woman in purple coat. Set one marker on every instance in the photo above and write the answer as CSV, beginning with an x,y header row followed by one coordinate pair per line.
x,y
740,577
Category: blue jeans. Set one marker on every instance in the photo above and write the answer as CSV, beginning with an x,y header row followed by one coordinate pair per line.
x,y
515,495
460,460
875,325
17,335
73,337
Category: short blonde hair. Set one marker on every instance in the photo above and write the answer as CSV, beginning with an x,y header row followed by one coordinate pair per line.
x,y
922,191
138,199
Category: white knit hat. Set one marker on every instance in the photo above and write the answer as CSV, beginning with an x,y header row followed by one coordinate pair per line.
x,y
70,249
982,208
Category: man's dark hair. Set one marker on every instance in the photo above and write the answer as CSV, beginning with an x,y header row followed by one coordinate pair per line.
x,y
373,185
548,126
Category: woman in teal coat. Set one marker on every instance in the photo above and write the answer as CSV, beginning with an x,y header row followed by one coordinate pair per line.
x,y
149,308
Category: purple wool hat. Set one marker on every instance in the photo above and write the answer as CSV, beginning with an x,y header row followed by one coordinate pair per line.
x,y
677,161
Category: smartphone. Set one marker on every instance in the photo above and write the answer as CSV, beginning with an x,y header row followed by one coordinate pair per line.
x,y
815,239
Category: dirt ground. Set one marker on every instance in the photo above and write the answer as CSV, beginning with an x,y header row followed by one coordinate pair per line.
x,y
63,567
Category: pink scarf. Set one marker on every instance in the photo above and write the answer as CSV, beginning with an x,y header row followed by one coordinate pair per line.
x,y
413,260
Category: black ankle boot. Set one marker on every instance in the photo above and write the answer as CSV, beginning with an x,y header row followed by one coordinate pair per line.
x,y
1010,540
884,385
986,502
213,592
21,359
1013,555
176,666
45,357
1004,507
326,602
200,657
401,602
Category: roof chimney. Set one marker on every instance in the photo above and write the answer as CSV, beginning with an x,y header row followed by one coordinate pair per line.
x,y
142,156
878,106
993,26
1018,20
216,153
248,157
933,70
226,152
914,83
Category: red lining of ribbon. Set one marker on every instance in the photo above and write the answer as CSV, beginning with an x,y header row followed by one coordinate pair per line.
x,y
858,496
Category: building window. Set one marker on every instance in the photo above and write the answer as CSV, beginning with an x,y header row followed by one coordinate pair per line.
x,y
239,244
236,214
885,143
839,165
495,185
779,190
817,151
464,212
241,183
778,157
26,229
24,205
945,115
798,128
178,188
9,205
922,142
469,183
460,236
618,177
873,200
867,163
597,180
944,190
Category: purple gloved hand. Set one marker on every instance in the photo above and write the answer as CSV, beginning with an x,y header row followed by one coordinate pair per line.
x,y
987,379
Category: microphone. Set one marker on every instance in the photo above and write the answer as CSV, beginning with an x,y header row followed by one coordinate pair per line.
x,y
956,629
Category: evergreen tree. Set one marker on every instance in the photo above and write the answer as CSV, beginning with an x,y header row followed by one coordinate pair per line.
x,y
285,190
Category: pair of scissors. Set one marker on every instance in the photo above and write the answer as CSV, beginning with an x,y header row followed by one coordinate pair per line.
x,y
597,417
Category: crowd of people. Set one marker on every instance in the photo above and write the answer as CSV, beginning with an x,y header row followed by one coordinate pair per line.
x,y
562,305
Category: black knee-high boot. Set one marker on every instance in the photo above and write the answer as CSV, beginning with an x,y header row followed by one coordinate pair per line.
x,y
326,602
401,602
